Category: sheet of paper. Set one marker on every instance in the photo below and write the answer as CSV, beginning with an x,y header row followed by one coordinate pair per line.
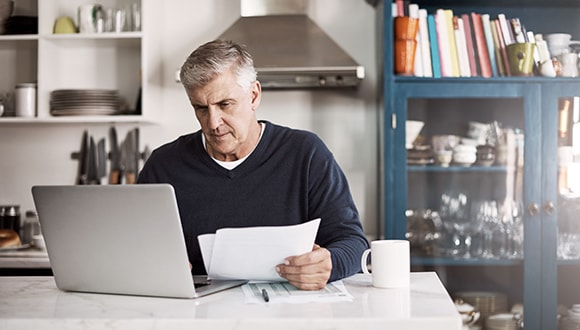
x,y
252,253
284,292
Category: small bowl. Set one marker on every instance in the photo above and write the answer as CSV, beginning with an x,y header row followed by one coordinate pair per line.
x,y
443,157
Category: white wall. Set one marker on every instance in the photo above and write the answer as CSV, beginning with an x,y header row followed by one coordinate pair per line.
x,y
346,120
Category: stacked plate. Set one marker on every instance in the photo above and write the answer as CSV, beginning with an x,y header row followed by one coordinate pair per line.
x,y
84,102
572,319
487,303
503,321
419,155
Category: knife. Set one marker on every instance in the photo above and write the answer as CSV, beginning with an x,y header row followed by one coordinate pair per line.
x,y
136,151
101,159
129,157
115,174
82,176
92,174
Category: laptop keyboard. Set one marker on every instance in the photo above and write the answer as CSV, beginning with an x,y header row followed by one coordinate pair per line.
x,y
199,284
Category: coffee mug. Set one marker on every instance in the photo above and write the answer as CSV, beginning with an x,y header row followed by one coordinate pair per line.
x,y
390,263
88,17
569,62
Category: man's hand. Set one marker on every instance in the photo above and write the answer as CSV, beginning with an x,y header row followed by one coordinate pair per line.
x,y
309,271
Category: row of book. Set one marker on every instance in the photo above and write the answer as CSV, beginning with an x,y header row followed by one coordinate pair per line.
x,y
463,45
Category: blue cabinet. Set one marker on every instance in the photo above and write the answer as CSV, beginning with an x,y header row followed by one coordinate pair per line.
x,y
541,177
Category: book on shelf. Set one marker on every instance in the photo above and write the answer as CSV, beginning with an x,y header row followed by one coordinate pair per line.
x,y
470,45
413,9
425,44
497,50
485,21
502,48
482,52
464,69
518,30
452,43
443,41
506,30
464,45
434,45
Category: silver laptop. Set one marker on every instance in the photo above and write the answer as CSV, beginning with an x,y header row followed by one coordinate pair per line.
x,y
118,239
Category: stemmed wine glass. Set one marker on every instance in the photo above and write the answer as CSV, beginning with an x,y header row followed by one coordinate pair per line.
x,y
513,220
454,212
486,221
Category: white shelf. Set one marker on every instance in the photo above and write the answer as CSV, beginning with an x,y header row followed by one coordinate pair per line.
x,y
129,119
123,61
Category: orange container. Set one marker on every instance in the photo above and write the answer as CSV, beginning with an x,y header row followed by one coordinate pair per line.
x,y
405,57
406,28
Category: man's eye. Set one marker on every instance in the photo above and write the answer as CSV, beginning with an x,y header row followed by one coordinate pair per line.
x,y
224,105
200,108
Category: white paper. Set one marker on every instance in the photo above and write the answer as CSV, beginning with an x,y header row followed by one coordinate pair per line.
x,y
284,292
252,253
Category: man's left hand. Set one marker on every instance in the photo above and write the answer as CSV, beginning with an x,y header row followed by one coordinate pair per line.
x,y
309,271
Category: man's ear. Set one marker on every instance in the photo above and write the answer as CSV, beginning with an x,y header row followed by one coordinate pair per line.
x,y
256,91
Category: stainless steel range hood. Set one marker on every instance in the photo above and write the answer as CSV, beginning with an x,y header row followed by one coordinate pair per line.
x,y
289,49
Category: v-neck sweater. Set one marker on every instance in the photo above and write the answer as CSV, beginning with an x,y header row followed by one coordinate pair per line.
x,y
291,177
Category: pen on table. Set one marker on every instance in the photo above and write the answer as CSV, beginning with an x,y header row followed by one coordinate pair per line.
x,y
265,295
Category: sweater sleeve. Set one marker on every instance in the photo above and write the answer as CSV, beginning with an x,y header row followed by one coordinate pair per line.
x,y
330,199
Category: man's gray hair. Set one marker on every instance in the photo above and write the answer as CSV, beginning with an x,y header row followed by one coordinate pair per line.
x,y
214,58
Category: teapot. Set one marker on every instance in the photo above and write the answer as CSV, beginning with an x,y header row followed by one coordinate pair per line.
x,y
469,315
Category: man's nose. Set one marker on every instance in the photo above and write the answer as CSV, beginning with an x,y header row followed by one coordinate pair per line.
x,y
214,118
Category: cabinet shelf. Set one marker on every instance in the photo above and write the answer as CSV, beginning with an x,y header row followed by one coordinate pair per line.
x,y
128,62
451,169
442,261
13,121
18,37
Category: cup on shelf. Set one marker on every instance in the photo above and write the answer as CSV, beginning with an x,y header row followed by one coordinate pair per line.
x,y
405,56
521,58
558,43
406,28
569,64
443,157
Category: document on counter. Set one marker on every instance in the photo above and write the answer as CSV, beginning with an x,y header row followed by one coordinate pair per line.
x,y
252,253
284,292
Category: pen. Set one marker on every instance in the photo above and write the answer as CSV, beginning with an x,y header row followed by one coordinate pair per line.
x,y
265,295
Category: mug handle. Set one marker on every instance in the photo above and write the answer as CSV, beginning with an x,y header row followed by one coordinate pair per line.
x,y
363,261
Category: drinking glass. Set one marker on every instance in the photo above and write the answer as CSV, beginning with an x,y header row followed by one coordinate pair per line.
x,y
454,212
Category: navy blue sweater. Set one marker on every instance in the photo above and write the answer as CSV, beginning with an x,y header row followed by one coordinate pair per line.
x,y
290,177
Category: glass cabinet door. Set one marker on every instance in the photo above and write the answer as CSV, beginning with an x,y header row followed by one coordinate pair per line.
x,y
562,200
461,185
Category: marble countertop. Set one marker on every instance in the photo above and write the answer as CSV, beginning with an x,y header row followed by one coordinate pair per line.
x,y
36,303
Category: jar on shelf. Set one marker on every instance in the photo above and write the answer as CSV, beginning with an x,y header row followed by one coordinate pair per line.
x,y
25,100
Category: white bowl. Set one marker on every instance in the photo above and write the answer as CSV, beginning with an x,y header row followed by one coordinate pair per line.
x,y
464,158
412,130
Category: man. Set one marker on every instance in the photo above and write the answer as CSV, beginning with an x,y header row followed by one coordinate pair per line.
x,y
238,171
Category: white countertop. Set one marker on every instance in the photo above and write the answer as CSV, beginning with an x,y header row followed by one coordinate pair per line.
x,y
36,303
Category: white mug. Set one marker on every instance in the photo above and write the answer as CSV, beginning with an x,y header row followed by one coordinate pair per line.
x,y
390,263
88,16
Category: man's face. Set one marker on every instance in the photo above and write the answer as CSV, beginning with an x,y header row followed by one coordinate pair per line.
x,y
226,113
